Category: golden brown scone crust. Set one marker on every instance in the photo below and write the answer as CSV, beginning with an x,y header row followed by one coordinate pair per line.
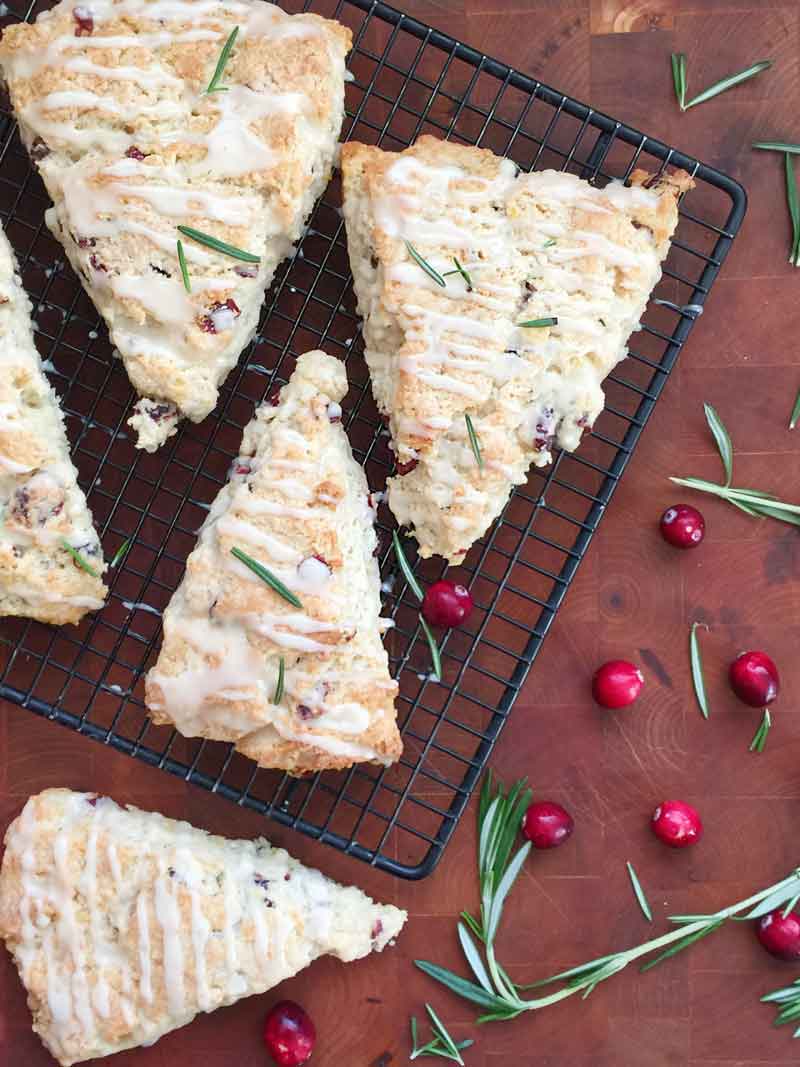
x,y
124,925
298,503
130,146
42,507
534,247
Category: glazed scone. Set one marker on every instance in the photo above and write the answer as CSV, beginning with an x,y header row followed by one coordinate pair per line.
x,y
297,503
531,247
43,512
124,924
112,105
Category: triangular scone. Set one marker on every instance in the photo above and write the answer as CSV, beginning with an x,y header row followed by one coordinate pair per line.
x,y
510,248
298,504
124,925
48,546
112,105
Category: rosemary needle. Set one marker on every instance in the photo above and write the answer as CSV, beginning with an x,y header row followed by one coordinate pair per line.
x,y
184,268
224,56
425,265
219,246
473,440
84,566
266,576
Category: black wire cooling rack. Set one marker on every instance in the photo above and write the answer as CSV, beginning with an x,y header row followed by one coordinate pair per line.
x,y
408,80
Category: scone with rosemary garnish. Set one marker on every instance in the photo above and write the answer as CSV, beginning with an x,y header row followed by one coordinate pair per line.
x,y
494,304
273,639
51,563
124,925
212,125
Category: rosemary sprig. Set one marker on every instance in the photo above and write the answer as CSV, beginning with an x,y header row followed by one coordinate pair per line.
x,y
752,501
639,892
425,265
536,323
121,552
224,56
794,209
473,440
441,1044
460,270
277,696
723,439
490,987
787,911
777,146
405,567
549,242
697,670
184,268
217,245
84,566
680,81
788,1001
266,576
793,418
436,658
760,737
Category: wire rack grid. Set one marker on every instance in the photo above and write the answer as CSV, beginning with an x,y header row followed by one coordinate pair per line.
x,y
407,80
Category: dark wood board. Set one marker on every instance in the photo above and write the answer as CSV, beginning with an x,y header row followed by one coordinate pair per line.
x,y
633,597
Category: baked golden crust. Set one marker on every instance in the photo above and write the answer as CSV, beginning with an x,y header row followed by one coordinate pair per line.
x,y
112,104
533,247
297,503
124,925
42,508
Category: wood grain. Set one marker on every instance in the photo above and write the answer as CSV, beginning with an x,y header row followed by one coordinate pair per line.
x,y
633,597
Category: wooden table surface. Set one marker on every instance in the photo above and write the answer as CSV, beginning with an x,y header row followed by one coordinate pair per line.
x,y
633,597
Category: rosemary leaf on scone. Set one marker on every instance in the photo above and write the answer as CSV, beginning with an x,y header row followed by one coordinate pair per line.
x,y
217,245
405,567
224,56
187,285
795,412
266,576
680,80
460,270
277,696
441,1045
760,738
639,892
723,439
697,670
121,552
84,566
435,656
473,440
499,820
536,323
425,265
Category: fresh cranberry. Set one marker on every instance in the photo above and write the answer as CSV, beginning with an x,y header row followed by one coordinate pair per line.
x,y
243,467
547,825
215,320
289,1034
754,679
84,23
406,468
779,936
617,684
135,153
96,264
677,824
86,242
246,272
682,526
446,603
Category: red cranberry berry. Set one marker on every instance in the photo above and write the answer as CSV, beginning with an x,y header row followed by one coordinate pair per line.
x,y
682,526
289,1034
84,23
677,824
220,317
96,263
617,684
135,153
754,679
779,936
547,825
406,468
446,603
